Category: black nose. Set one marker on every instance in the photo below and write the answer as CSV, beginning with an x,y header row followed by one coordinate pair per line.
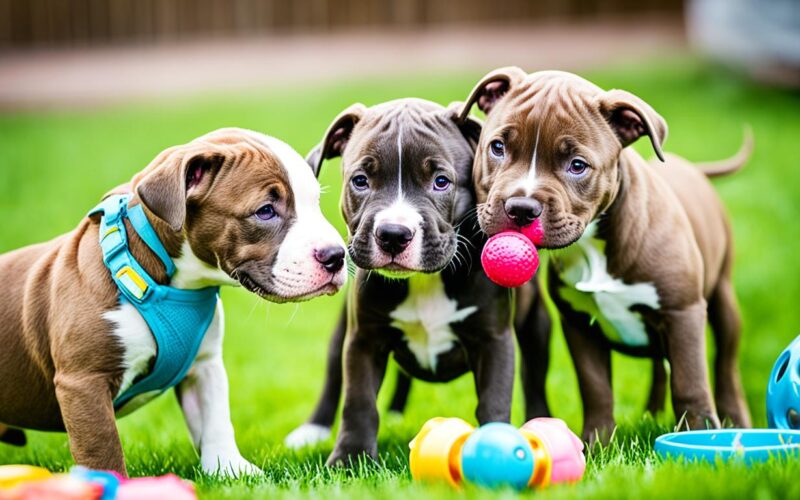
x,y
393,238
522,211
331,258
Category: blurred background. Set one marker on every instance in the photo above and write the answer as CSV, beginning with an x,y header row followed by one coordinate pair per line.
x,y
77,52
92,90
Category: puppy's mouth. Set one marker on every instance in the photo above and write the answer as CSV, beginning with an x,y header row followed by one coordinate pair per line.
x,y
251,285
396,271
391,267
559,232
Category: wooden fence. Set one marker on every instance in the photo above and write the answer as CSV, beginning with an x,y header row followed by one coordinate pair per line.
x,y
32,23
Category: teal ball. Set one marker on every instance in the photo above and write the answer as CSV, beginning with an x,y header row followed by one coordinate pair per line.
x,y
497,455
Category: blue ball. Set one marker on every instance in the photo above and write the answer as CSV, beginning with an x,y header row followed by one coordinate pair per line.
x,y
497,455
783,390
108,480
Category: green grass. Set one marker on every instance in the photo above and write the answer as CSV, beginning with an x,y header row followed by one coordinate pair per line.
x,y
54,166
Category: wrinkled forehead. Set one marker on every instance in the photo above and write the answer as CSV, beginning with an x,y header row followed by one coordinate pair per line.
x,y
405,135
549,105
268,160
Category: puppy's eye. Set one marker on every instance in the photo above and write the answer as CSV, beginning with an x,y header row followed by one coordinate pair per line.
x,y
360,182
577,167
266,212
440,183
497,148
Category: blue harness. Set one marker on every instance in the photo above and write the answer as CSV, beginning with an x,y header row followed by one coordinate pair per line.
x,y
178,319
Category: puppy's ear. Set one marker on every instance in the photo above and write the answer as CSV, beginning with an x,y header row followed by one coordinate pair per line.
x,y
492,88
336,137
630,118
470,126
173,176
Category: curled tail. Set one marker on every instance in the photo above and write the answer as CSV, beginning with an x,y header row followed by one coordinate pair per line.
x,y
12,436
735,162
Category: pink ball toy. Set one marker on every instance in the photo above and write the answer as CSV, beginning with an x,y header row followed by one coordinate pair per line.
x,y
145,488
534,232
509,259
565,448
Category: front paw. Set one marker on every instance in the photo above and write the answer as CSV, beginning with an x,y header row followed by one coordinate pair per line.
x,y
307,435
234,466
698,420
598,433
350,456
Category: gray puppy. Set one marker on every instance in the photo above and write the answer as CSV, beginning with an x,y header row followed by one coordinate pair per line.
x,y
410,210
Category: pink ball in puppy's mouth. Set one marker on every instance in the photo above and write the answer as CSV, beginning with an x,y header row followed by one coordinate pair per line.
x,y
534,232
510,259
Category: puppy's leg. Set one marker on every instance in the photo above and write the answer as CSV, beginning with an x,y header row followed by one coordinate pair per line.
x,y
685,342
592,360
203,396
533,336
723,314
364,369
658,387
318,427
401,389
87,410
14,437
492,363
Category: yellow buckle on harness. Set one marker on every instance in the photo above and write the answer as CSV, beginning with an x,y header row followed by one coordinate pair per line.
x,y
132,282
112,229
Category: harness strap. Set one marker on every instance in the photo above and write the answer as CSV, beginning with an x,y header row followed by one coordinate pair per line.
x,y
146,232
178,319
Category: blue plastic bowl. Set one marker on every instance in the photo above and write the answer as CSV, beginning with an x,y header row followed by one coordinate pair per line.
x,y
750,445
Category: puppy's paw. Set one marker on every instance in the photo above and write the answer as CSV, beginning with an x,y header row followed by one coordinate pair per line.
x,y
598,433
349,457
229,466
307,435
698,420
14,437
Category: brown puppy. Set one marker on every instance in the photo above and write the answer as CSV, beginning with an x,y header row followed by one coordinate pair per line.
x,y
647,248
232,207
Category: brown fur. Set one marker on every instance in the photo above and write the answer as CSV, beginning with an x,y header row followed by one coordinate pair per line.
x,y
60,366
663,224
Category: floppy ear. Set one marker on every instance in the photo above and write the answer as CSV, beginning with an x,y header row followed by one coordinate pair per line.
x,y
492,88
173,176
336,137
470,127
630,118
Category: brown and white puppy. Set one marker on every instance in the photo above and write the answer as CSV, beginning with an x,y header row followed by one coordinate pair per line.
x,y
647,249
407,194
232,207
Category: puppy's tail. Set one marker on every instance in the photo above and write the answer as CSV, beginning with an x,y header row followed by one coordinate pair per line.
x,y
735,162
12,436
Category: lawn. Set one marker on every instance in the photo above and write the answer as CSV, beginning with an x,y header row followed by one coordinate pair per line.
x,y
54,166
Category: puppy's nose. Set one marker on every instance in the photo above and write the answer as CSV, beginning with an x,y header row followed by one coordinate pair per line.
x,y
523,211
331,258
393,238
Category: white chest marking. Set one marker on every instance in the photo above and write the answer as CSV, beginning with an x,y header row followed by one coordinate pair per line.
x,y
425,317
139,347
592,290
